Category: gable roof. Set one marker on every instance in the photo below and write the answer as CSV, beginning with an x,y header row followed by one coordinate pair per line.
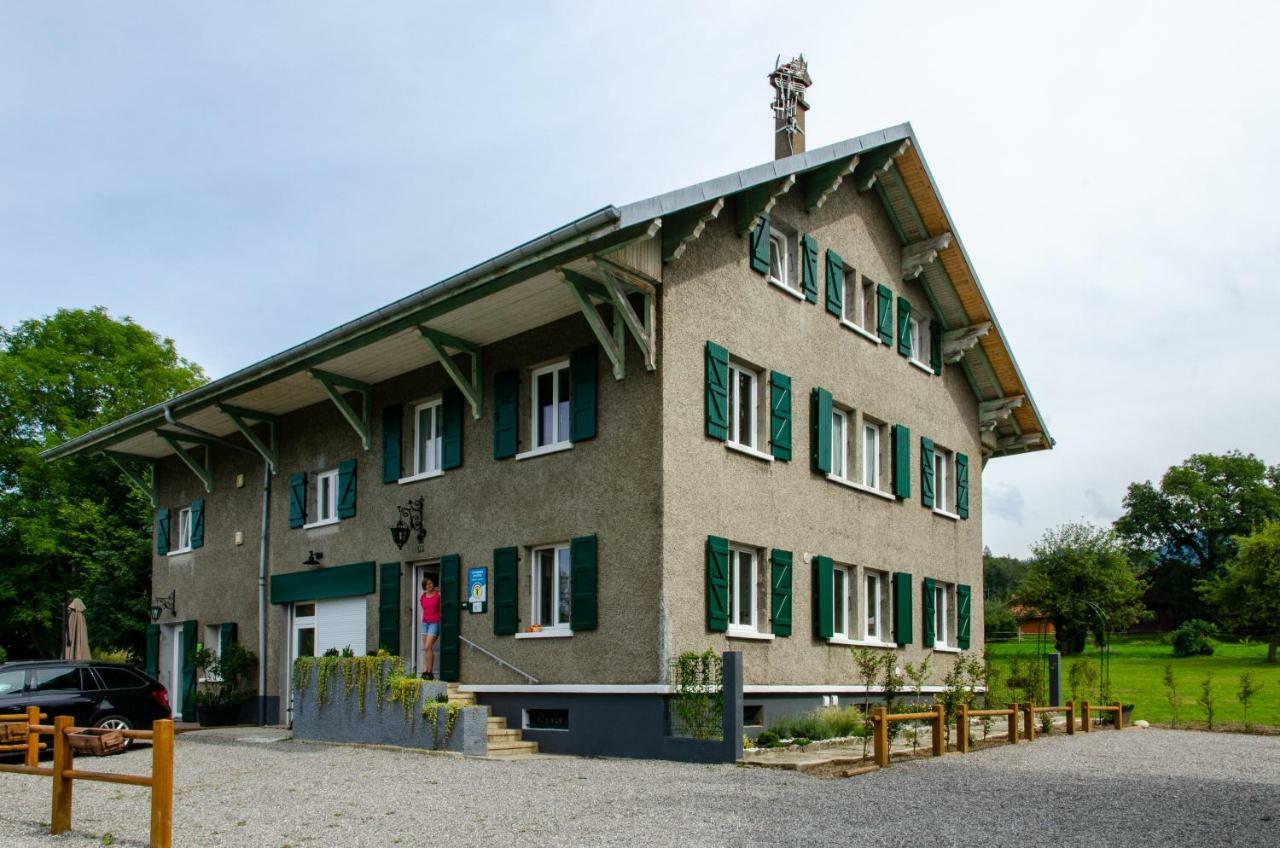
x,y
501,296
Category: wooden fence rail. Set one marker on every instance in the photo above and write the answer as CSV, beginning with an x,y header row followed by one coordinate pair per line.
x,y
965,714
63,772
1086,708
881,720
1030,711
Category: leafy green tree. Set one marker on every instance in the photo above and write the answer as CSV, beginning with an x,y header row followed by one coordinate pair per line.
x,y
75,527
1184,530
1001,575
1247,592
1077,571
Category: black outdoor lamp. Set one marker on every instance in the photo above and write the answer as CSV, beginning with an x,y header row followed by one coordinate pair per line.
x,y
159,605
313,559
410,520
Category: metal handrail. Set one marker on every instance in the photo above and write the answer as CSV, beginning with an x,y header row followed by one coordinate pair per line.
x,y
499,660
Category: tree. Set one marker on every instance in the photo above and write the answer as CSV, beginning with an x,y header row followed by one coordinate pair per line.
x,y
1184,531
75,527
1077,571
1247,592
1001,575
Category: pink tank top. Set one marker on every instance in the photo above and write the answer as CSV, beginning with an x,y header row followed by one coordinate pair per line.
x,y
431,608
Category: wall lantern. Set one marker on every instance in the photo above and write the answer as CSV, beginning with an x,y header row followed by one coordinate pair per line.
x,y
159,605
410,520
313,559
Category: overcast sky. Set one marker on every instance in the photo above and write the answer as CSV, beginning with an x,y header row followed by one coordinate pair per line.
x,y
243,176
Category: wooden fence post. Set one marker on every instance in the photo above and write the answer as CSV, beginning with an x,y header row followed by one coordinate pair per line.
x,y
1029,722
33,738
1013,723
1071,718
1084,716
1119,716
939,731
880,720
63,760
162,783
962,729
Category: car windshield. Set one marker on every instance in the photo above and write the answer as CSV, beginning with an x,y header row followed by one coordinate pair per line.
x,y
11,681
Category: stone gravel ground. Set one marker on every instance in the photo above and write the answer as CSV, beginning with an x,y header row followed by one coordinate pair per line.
x,y
1136,788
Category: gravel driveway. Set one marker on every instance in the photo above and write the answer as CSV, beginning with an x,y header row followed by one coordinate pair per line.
x,y
1136,788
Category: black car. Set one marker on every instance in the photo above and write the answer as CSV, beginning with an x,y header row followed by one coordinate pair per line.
x,y
94,694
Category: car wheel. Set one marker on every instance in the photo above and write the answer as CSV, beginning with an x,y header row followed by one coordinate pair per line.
x,y
116,722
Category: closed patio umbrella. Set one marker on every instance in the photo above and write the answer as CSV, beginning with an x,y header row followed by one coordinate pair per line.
x,y
77,645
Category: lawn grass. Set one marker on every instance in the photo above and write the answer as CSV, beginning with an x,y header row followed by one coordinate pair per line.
x,y
1137,677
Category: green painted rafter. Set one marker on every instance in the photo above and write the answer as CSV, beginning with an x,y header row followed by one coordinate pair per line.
x,y
133,467
618,282
471,385
244,419
179,441
821,183
682,230
334,386
584,289
751,204
876,163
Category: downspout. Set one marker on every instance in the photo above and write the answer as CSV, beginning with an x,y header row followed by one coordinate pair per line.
x,y
262,595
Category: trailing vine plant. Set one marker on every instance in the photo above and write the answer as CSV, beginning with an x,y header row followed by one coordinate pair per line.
x,y
697,694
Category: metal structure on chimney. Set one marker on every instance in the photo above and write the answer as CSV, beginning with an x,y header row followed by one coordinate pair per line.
x,y
789,81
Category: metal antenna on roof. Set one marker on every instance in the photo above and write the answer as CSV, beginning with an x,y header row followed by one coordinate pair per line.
x,y
789,81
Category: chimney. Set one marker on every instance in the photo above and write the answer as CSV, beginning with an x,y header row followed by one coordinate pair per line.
x,y
789,81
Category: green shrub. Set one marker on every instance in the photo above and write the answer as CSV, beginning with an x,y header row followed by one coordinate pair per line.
x,y
1191,639
998,620
822,723
4,655
768,739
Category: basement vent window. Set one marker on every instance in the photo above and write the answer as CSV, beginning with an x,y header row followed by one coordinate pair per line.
x,y
753,715
544,719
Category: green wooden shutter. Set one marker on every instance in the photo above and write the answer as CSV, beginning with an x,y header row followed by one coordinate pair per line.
x,y
162,531
926,472
809,267
451,441
884,314
758,249
152,659
389,608
506,414
935,346
190,637
962,485
835,284
297,499
582,394
584,582
450,615
506,585
902,608
717,391
823,597
780,415
392,425
197,523
226,637
780,592
717,584
347,488
904,327
901,462
964,607
928,608
820,430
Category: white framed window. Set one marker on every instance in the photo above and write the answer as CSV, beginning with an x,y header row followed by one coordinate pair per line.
x,y
782,260
551,587
867,305
842,601
182,531
871,455
326,497
743,402
549,396
213,644
941,479
873,595
428,437
915,338
941,614
745,590
840,444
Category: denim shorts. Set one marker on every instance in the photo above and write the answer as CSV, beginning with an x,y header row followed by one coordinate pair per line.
x,y
431,629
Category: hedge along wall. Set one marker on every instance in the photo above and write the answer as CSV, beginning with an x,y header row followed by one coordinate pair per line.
x,y
361,703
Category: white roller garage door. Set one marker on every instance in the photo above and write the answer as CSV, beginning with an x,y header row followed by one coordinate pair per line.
x,y
340,623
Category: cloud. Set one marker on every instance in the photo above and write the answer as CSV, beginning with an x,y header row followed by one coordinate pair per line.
x,y
1099,508
1003,501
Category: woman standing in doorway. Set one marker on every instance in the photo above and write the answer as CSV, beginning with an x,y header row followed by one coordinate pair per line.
x,y
430,600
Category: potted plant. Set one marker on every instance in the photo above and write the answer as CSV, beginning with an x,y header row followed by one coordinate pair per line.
x,y
224,689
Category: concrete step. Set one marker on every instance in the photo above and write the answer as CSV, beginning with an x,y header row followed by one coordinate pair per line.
x,y
497,723
513,749
497,737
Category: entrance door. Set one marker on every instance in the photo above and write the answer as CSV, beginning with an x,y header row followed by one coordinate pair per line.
x,y
172,652
421,570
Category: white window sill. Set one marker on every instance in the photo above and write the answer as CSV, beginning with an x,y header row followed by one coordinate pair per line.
x,y
545,449
946,649
872,643
426,475
840,640
749,451
859,487
945,514
745,633
324,523
180,551
549,633
928,369
798,295
849,325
